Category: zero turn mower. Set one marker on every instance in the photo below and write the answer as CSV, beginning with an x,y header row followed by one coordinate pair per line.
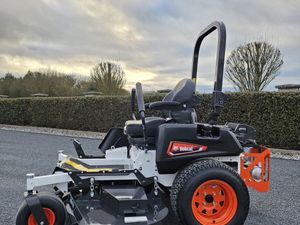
x,y
158,166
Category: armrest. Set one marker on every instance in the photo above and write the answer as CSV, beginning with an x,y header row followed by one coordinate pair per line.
x,y
167,105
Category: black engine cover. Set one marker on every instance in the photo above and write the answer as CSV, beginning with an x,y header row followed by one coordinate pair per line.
x,y
216,141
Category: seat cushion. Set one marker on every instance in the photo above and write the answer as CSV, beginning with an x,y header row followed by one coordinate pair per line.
x,y
134,128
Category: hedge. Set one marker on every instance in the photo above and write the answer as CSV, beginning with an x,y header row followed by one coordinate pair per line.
x,y
275,115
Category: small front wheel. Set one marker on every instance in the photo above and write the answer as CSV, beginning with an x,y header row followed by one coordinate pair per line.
x,y
209,192
54,210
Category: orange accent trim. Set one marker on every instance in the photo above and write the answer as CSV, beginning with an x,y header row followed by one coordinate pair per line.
x,y
49,215
197,148
256,159
214,202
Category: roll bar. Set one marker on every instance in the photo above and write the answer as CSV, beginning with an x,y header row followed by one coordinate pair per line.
x,y
218,96
220,52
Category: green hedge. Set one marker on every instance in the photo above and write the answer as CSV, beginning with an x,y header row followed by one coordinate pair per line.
x,y
276,116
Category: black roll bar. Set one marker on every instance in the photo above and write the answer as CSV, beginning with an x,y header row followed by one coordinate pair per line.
x,y
218,97
220,52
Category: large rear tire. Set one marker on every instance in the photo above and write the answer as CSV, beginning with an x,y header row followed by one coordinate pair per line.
x,y
209,192
53,207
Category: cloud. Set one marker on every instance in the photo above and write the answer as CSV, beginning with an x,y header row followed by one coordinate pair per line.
x,y
153,40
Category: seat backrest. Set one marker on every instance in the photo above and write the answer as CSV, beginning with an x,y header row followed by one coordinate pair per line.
x,y
183,93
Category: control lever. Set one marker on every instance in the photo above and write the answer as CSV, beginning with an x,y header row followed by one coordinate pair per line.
x,y
132,101
78,149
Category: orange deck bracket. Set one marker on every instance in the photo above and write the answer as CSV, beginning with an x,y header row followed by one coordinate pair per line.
x,y
252,160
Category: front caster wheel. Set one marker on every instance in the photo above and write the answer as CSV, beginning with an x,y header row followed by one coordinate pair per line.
x,y
53,208
209,192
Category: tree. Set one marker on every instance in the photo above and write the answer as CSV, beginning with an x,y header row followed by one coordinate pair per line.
x,y
10,85
109,78
85,86
251,67
49,82
6,83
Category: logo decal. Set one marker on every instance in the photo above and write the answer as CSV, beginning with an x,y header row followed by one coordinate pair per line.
x,y
183,148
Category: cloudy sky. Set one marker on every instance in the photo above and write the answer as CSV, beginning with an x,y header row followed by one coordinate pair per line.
x,y
152,39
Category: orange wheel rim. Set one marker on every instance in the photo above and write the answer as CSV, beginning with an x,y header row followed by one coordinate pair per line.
x,y
49,215
214,202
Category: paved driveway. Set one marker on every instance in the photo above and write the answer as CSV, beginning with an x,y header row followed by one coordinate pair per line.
x,y
21,153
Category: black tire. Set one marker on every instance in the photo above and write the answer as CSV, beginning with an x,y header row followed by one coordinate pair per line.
x,y
48,201
191,177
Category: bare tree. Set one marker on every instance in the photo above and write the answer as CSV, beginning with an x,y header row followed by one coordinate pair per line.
x,y
109,78
251,67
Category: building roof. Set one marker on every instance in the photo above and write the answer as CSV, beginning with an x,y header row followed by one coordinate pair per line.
x,y
287,86
164,90
92,93
40,95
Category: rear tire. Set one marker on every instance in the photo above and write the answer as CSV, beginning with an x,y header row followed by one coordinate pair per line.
x,y
209,192
53,207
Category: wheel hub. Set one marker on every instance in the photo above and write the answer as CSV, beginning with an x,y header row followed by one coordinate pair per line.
x,y
50,215
214,202
209,198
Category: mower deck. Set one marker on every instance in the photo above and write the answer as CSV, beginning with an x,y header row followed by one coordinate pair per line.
x,y
121,206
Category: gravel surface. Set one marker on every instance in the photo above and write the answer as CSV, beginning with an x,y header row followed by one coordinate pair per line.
x,y
22,153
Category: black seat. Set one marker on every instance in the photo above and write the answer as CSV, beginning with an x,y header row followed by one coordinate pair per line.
x,y
134,128
176,105
182,93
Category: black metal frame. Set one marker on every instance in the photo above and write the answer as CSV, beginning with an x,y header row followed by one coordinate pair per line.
x,y
220,27
218,97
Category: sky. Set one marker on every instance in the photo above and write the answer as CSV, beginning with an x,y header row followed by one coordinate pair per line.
x,y
152,39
